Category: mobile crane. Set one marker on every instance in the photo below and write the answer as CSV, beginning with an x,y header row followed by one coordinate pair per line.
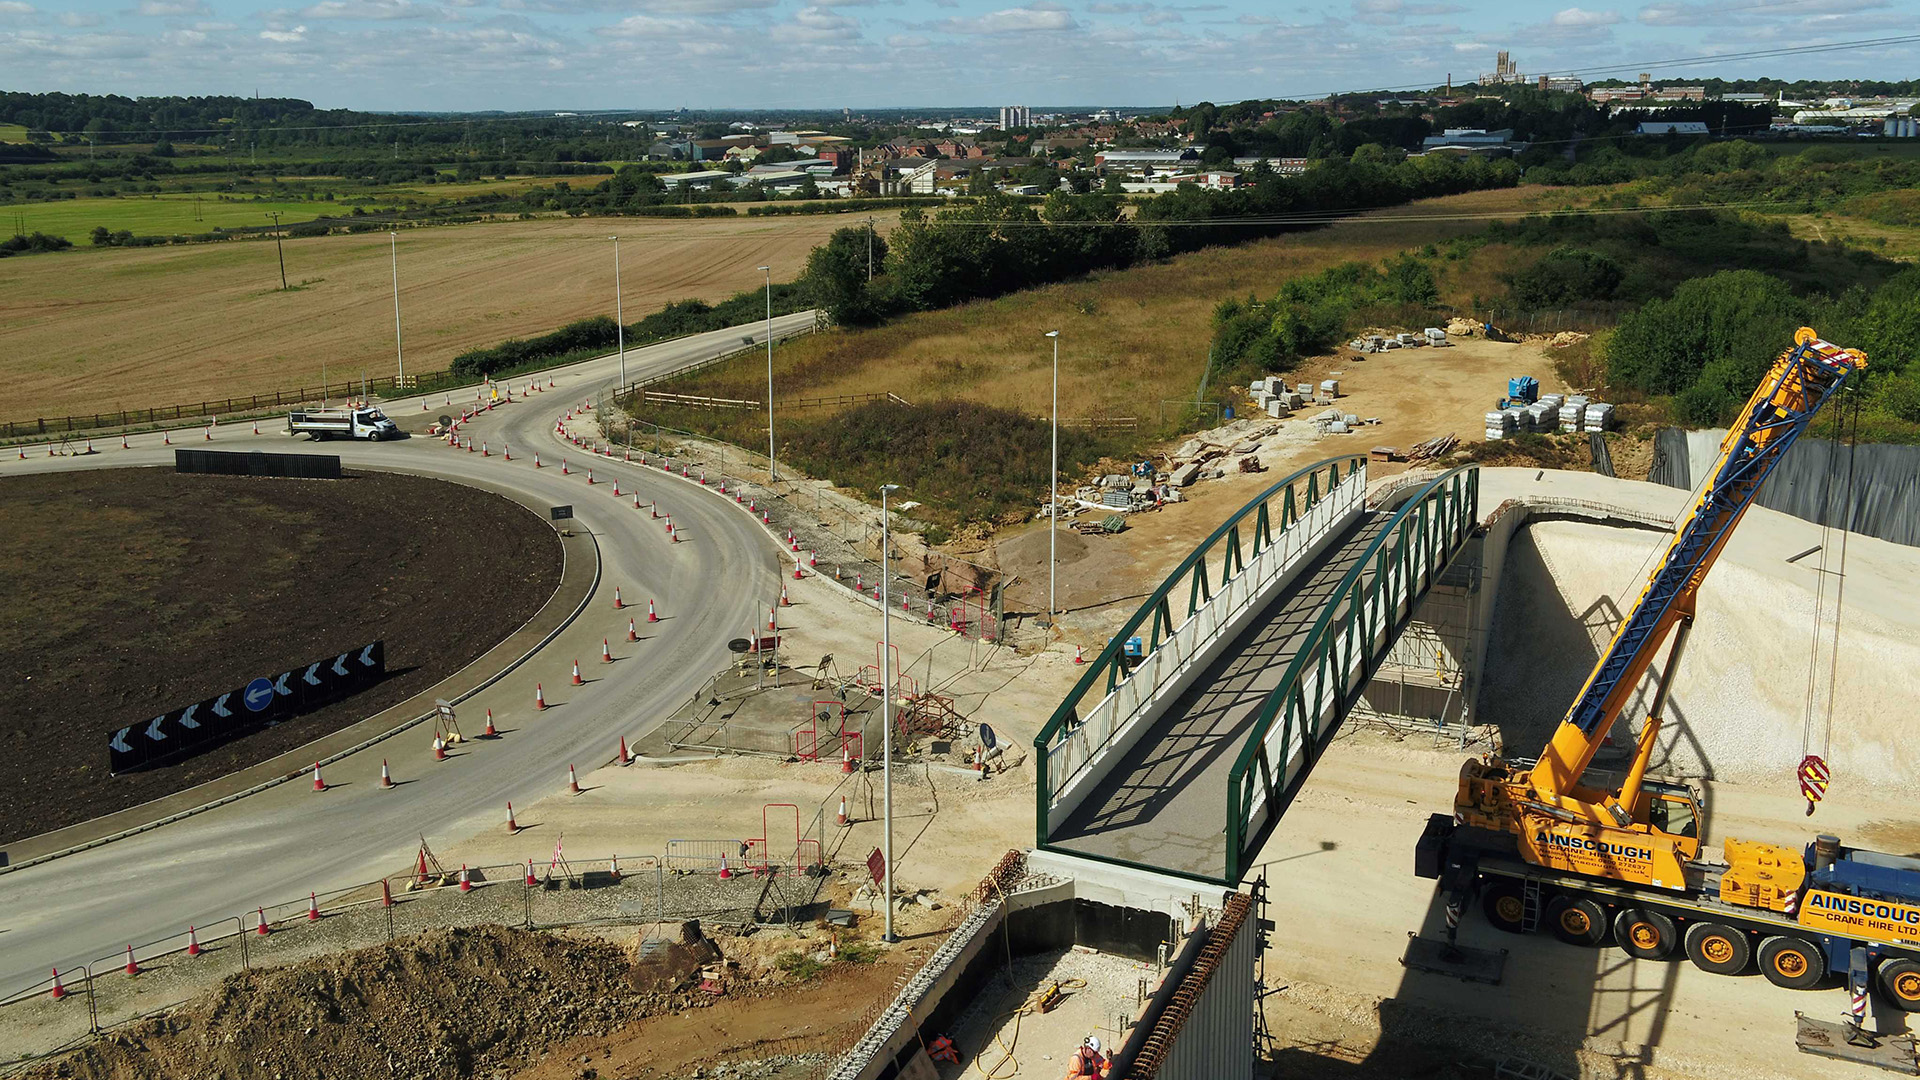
x,y
1540,845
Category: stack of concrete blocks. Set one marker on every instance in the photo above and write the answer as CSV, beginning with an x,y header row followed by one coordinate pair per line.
x,y
1573,415
1542,416
1599,416
1500,425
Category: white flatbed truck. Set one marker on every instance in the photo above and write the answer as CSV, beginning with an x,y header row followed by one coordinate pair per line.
x,y
320,424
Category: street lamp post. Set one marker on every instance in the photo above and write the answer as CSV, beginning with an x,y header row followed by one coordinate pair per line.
x,y
1053,486
773,472
619,318
886,710
399,356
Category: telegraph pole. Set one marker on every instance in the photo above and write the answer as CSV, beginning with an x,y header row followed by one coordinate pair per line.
x,y
278,250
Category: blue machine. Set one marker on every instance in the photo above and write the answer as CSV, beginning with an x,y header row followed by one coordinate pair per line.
x,y
1524,389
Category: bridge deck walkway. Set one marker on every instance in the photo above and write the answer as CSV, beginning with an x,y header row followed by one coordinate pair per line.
x,y
1162,803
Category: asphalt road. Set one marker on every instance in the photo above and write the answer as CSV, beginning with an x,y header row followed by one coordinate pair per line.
x,y
288,840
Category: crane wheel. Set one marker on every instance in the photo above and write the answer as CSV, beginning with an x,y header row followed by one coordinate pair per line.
x,y
1505,908
1718,948
1792,963
1645,934
1577,920
1901,980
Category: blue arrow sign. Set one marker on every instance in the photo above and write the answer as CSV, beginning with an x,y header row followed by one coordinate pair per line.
x,y
258,694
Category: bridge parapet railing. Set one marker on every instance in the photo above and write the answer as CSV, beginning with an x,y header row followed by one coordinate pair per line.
x,y
1352,634
1226,575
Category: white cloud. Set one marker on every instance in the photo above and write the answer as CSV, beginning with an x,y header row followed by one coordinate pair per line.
x,y
908,41
1155,18
368,9
298,33
164,8
1119,9
1025,20
15,7
1574,16
79,18
817,25
653,7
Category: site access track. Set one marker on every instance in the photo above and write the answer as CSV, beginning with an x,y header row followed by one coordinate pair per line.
x,y
1181,746
288,839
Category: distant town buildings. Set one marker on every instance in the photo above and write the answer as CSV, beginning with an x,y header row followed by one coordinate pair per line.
x,y
1015,116
1506,71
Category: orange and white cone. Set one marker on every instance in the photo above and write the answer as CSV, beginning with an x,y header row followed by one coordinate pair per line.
x,y
488,732
466,882
651,617
671,535
485,450
846,759
539,697
616,488
796,567
132,967
313,907
123,443
625,758
632,633
813,558
193,942
536,459
166,437
386,778
318,784
669,524
773,617
439,749
784,602
256,427
530,881
724,872
506,454
261,928
613,869
512,825
563,467
606,652
573,782
617,602
1079,657
840,818
577,681
589,475
59,989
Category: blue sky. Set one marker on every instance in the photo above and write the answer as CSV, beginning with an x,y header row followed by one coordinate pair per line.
x,y
520,54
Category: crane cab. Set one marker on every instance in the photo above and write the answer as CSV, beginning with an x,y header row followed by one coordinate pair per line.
x,y
1672,809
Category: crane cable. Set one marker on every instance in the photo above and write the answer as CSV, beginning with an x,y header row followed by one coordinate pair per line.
x,y
1818,715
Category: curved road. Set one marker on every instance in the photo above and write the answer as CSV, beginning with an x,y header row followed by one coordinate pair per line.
x,y
288,840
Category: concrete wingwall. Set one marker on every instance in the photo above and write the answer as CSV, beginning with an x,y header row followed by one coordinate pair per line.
x,y
1558,586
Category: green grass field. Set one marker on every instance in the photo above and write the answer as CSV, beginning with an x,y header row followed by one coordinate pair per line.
x,y
12,133
152,215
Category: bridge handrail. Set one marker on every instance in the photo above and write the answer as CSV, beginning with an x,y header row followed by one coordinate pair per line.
x,y
1454,498
1320,479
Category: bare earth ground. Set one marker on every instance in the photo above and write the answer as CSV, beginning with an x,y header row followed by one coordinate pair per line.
x,y
113,328
133,591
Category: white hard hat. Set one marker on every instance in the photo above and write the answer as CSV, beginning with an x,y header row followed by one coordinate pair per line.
x,y
1093,1043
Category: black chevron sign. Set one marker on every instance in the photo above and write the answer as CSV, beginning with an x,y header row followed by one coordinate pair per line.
x,y
272,697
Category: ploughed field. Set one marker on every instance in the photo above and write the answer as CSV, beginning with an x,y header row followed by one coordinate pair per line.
x,y
129,592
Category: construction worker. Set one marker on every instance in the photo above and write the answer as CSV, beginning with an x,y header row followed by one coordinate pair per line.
x,y
942,1049
1087,1060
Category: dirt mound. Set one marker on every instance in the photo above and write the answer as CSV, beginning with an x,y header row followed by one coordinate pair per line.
x,y
446,1003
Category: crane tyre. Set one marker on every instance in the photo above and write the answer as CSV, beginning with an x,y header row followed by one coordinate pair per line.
x,y
1718,948
1791,963
1900,979
1645,934
1505,907
1577,920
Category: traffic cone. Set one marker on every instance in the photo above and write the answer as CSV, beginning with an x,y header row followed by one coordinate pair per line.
x,y
386,893
313,907
539,697
631,634
489,733
636,500
840,818
773,614
506,454
606,652
466,883
529,873
563,467
123,443
905,604
651,617
386,778
577,681
573,782
485,450
132,968
193,942
262,929
59,989
669,524
616,488
613,869
420,866
930,615
209,432
724,872
512,825
784,602
166,437
625,758
536,459
589,476
671,535
846,759
1078,656
318,784
813,558
654,508
617,602
256,427
857,583
439,749
796,571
